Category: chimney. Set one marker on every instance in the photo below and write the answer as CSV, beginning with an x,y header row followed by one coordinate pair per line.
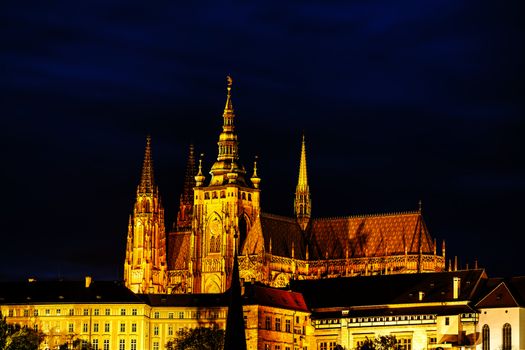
x,y
88,281
456,283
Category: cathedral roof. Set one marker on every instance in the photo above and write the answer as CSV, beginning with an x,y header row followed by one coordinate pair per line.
x,y
369,236
178,250
283,233
362,236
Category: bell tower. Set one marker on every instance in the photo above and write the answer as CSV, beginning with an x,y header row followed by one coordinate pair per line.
x,y
145,263
223,211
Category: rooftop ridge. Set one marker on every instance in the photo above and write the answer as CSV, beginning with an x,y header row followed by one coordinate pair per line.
x,y
409,212
279,217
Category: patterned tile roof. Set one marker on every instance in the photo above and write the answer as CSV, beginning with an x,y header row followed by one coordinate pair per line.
x,y
283,233
369,236
362,236
178,250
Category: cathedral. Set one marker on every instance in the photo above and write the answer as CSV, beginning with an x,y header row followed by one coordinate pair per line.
x,y
220,216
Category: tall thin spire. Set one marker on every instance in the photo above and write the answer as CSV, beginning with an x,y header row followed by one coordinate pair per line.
x,y
147,184
184,216
235,337
303,205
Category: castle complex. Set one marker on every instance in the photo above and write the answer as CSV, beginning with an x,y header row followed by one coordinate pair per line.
x,y
221,214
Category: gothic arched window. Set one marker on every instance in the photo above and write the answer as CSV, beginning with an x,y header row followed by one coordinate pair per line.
x,y
486,337
507,338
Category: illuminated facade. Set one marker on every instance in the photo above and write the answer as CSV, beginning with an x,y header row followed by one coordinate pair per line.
x,y
446,310
222,213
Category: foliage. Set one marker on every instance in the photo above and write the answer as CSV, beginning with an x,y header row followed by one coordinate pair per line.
x,y
383,342
201,338
15,337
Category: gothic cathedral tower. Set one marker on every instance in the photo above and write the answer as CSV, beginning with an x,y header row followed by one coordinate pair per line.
x,y
223,211
145,263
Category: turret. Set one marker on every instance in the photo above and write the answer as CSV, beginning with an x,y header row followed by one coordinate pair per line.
x,y
302,204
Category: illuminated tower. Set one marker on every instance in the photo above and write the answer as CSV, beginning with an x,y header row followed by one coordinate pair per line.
x,y
303,203
145,263
223,211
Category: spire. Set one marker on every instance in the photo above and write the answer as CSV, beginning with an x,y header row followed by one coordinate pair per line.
x,y
235,337
303,204
186,198
228,114
256,180
146,180
228,156
199,178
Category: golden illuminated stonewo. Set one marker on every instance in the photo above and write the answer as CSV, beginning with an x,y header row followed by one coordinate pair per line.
x,y
145,263
223,213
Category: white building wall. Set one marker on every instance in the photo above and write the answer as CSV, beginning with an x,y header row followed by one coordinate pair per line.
x,y
495,318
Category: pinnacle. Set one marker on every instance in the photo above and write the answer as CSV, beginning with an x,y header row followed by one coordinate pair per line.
x,y
146,181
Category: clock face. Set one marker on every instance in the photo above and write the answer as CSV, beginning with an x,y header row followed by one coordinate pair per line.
x,y
215,227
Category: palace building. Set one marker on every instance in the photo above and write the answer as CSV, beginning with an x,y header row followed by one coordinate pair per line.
x,y
220,214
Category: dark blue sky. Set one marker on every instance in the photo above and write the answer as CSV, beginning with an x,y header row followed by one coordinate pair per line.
x,y
400,101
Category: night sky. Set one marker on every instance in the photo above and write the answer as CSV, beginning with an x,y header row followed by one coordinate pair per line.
x,y
399,101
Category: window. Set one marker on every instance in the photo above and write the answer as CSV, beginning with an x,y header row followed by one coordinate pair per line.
x,y
26,313
288,326
155,345
95,327
84,344
134,312
277,347
84,327
181,314
106,327
107,312
96,312
35,327
133,344
71,328
245,321
278,324
71,312
11,313
59,312
485,333
170,330
268,323
170,315
198,315
121,344
404,343
266,346
106,344
86,312
133,327
156,315
122,327
507,340
35,312
156,330
122,312
48,312
95,344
